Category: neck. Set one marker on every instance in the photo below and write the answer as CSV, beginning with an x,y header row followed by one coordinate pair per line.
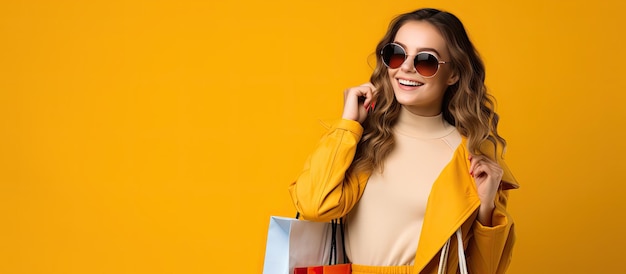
x,y
423,127
433,109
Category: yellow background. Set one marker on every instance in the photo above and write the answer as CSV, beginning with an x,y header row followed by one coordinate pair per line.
x,y
159,136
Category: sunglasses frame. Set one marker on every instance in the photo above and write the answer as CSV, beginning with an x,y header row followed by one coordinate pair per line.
x,y
406,56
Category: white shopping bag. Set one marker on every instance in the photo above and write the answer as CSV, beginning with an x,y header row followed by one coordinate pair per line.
x,y
296,243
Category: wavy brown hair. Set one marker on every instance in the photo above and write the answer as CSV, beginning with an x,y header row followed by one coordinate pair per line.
x,y
466,104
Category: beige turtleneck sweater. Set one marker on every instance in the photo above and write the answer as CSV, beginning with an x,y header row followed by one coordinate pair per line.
x,y
384,227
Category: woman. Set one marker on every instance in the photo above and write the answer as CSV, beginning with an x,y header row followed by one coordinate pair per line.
x,y
415,158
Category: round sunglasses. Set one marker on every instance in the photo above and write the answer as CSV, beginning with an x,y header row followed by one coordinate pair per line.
x,y
426,64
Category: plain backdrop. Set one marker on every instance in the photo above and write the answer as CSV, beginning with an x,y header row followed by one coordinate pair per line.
x,y
160,136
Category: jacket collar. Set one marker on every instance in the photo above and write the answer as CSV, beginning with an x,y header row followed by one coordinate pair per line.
x,y
452,201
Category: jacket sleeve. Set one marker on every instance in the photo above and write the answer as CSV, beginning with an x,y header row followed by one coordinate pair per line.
x,y
323,191
491,248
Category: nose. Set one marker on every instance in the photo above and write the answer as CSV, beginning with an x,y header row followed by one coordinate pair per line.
x,y
407,65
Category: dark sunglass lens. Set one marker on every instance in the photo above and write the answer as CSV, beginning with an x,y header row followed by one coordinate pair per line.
x,y
393,56
426,64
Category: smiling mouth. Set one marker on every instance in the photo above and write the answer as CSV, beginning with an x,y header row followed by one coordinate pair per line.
x,y
409,83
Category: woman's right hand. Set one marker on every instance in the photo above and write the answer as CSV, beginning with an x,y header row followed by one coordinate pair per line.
x,y
358,101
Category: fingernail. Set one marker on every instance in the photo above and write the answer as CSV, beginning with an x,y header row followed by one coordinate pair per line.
x,y
373,105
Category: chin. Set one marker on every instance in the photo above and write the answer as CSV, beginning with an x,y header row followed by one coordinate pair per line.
x,y
405,98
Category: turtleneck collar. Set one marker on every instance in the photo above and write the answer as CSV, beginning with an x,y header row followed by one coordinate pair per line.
x,y
422,127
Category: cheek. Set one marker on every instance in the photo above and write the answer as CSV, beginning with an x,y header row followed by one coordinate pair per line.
x,y
448,74
443,77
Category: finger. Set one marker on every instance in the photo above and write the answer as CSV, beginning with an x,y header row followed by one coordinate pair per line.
x,y
351,104
356,102
369,97
474,161
359,95
484,169
493,170
482,160
374,95
488,168
480,166
480,171
353,94
489,163
369,85
474,169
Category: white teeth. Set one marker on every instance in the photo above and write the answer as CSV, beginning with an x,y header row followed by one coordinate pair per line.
x,y
409,83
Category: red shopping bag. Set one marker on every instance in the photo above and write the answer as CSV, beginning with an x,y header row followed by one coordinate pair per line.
x,y
300,270
315,270
337,269
325,269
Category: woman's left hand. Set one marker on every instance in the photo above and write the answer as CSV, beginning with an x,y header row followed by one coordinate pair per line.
x,y
487,175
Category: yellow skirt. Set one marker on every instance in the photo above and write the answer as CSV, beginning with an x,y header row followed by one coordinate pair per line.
x,y
364,269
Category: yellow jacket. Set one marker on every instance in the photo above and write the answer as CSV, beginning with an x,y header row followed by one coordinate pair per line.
x,y
323,191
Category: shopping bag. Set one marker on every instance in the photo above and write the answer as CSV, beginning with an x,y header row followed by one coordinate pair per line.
x,y
337,250
295,243
337,269
325,269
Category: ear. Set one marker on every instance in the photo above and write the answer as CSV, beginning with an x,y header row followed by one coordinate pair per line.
x,y
454,77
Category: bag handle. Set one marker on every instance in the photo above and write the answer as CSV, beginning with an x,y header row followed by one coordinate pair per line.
x,y
333,243
343,242
333,249
443,259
